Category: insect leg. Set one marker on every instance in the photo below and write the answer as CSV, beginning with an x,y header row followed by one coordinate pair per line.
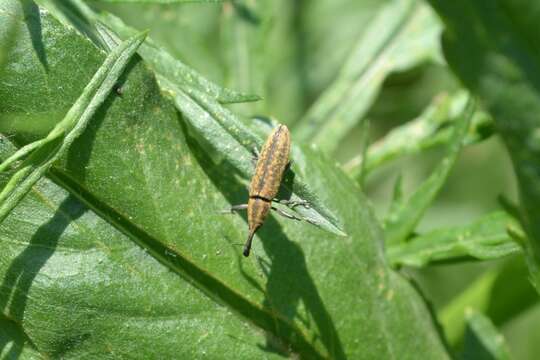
x,y
234,208
286,214
293,203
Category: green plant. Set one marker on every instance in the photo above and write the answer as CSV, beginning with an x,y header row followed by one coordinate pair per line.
x,y
118,155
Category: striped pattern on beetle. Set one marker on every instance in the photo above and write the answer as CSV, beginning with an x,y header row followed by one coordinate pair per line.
x,y
272,163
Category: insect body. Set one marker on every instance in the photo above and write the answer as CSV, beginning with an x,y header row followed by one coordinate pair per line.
x,y
271,165
264,187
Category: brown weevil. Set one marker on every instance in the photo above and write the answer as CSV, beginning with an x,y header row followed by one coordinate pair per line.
x,y
272,162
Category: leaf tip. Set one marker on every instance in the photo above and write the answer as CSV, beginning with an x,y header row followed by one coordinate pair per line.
x,y
142,35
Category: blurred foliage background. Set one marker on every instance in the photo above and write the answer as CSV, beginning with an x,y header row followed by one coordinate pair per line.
x,y
308,43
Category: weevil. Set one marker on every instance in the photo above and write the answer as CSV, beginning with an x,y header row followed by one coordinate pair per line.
x,y
272,162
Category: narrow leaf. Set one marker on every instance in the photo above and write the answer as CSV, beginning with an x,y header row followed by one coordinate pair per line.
x,y
484,239
165,65
45,153
404,34
244,36
431,129
482,339
364,147
503,293
397,194
7,38
401,222
235,142
91,23
493,48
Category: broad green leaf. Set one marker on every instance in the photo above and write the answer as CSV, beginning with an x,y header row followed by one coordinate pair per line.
x,y
42,154
149,257
484,239
72,286
493,48
432,128
482,340
402,220
502,293
73,13
404,34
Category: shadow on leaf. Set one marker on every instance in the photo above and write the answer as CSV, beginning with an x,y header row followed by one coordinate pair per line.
x,y
33,22
23,270
288,279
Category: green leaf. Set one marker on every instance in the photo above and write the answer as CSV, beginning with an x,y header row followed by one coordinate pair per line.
x,y
482,339
43,153
484,239
402,220
13,342
432,128
493,48
364,146
137,247
397,195
174,70
7,40
403,34
61,256
244,35
162,62
502,293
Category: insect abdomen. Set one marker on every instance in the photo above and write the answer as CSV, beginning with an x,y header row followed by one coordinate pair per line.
x,y
271,164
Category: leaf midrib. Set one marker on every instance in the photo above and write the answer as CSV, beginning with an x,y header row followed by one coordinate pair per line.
x,y
187,269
